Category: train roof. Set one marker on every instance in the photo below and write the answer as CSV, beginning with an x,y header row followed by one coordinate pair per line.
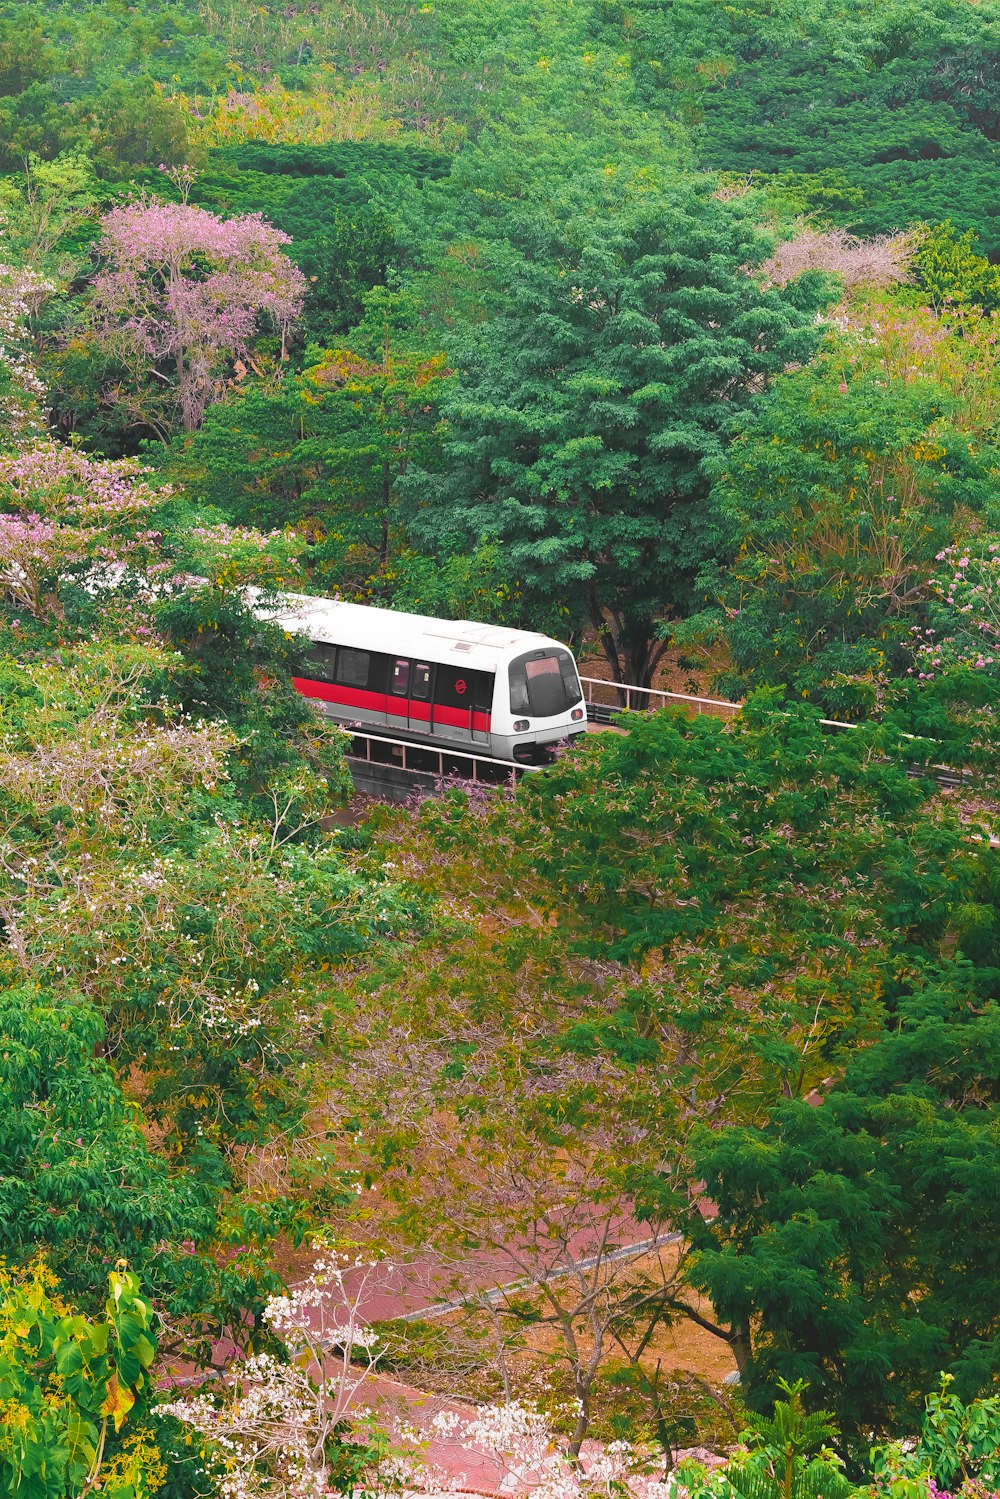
x,y
337,623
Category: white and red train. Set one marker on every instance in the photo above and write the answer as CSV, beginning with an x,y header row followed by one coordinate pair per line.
x,y
509,693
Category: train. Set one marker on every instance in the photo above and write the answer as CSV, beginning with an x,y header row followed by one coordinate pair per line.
x,y
510,694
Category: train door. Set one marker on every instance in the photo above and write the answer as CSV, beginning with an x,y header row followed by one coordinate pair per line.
x,y
462,703
397,698
453,699
421,673
482,705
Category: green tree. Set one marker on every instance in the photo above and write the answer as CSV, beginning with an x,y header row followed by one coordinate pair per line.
x,y
897,106
25,55
837,496
80,1183
326,453
70,1385
948,269
858,1237
658,934
183,911
45,211
586,413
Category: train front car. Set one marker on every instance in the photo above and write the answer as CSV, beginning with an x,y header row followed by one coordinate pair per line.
x,y
509,694
537,701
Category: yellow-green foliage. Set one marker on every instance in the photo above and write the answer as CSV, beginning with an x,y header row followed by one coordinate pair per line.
x,y
69,1386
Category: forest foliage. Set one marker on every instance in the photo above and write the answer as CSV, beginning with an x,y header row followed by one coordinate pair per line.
x,y
670,330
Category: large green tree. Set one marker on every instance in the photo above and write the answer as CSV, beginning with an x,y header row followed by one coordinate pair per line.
x,y
859,1238
81,1184
586,412
326,453
839,493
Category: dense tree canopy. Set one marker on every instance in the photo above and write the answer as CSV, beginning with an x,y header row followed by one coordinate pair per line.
x,y
589,408
839,495
861,1232
657,948
670,331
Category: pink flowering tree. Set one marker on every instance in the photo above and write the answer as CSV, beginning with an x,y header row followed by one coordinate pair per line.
x,y
65,516
966,613
873,263
71,521
179,299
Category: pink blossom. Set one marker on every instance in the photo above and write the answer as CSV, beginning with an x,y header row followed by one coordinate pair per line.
x,y
66,513
877,262
970,601
187,290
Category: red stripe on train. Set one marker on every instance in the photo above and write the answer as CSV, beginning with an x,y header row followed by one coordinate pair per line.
x,y
380,702
344,697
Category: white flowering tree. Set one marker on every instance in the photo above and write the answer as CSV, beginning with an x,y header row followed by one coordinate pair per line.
x,y
297,1427
21,388
291,1426
533,1459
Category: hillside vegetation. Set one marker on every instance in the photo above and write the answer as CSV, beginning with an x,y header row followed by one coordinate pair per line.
x,y
669,329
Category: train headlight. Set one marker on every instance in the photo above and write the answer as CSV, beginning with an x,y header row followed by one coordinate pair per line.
x,y
520,724
576,715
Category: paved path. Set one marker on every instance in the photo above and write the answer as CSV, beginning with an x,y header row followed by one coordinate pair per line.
x,y
421,1290
496,1294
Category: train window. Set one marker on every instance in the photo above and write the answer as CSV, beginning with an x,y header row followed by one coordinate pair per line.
x,y
518,689
320,662
484,691
352,667
378,672
421,687
571,682
546,693
401,677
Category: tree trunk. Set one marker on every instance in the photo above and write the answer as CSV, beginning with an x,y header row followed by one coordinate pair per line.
x,y
576,1441
644,656
608,642
187,418
386,493
739,1342
640,666
633,658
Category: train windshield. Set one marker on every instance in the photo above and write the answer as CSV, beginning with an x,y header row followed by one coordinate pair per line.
x,y
544,684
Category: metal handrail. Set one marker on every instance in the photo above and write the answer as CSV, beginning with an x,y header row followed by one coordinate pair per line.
x,y
516,770
677,697
590,683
